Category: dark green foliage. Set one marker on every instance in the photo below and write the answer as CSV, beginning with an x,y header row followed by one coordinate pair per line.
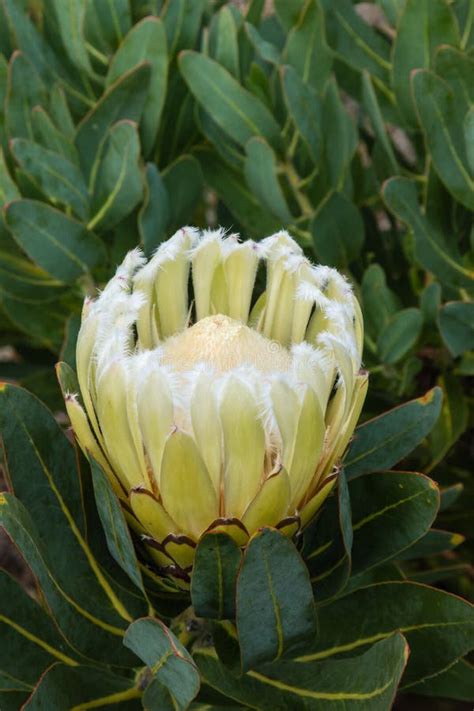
x,y
120,122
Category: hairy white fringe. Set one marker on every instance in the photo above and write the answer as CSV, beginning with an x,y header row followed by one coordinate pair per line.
x,y
205,238
306,291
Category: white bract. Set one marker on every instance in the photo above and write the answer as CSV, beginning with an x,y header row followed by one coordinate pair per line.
x,y
209,408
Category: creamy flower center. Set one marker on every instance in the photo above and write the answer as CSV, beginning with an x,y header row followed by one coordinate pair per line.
x,y
224,344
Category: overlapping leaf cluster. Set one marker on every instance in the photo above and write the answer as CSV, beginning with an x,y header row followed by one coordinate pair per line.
x,y
351,125
336,620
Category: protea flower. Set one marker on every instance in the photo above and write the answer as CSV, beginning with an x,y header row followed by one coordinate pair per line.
x,y
218,411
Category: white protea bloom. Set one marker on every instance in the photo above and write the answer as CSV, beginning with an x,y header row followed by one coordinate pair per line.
x,y
218,410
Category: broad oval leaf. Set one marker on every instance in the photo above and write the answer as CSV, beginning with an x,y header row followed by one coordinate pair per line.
x,y
262,177
59,179
327,544
385,440
213,583
399,335
146,41
422,27
79,610
183,183
123,100
306,48
429,618
64,687
338,231
118,182
431,248
367,681
304,107
238,112
456,324
26,282
390,511
23,622
275,606
154,213
115,527
59,244
442,125
175,678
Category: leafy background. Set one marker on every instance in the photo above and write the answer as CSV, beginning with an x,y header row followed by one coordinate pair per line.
x,y
349,124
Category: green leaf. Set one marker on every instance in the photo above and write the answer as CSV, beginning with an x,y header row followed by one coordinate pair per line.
x,y
430,619
118,181
29,40
59,179
25,282
64,687
288,13
373,109
275,606
456,68
431,249
29,634
387,439
430,301
183,183
469,137
456,324
368,681
378,301
154,214
216,564
399,335
439,117
261,173
25,90
117,533
267,51
58,244
327,544
61,113
390,511
450,495
8,188
423,26
231,187
38,455
146,41
238,112
224,37
453,420
182,20
50,137
304,107
434,542
68,347
457,682
338,231
306,49
355,41
436,575
175,679
44,327
69,17
123,100
106,24
340,137
83,617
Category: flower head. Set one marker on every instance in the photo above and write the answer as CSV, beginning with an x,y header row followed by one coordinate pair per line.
x,y
218,411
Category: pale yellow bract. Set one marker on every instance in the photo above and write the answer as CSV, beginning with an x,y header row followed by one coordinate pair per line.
x,y
218,411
